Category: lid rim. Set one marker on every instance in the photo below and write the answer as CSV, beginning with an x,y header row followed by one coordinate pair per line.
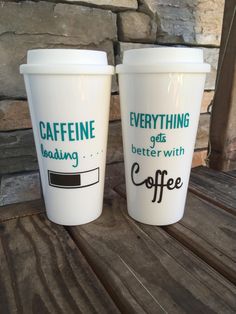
x,y
164,68
66,69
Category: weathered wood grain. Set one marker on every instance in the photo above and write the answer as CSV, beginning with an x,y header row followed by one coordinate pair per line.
x,y
208,231
146,270
14,211
215,186
42,271
232,173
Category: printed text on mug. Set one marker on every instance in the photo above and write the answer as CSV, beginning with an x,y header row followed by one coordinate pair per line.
x,y
65,132
158,182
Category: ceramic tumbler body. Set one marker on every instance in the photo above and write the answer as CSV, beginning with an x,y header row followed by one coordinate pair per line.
x,y
160,109
69,107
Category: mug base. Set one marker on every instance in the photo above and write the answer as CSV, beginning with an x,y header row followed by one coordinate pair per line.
x,y
75,222
157,222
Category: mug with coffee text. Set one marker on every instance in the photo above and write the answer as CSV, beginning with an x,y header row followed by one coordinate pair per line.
x,y
161,91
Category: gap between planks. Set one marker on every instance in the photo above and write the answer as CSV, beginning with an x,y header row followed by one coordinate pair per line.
x,y
52,268
145,268
21,210
36,208
215,187
201,247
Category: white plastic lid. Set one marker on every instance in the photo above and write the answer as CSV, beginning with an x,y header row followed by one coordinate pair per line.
x,y
66,61
168,59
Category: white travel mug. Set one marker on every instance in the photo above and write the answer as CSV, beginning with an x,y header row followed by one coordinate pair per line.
x,y
161,91
68,92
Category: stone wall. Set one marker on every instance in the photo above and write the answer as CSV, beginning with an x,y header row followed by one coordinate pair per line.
x,y
110,25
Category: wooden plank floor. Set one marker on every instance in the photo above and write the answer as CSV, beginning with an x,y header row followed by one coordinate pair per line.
x,y
115,264
217,187
42,270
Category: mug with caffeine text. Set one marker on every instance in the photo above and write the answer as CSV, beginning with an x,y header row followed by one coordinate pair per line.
x,y
69,95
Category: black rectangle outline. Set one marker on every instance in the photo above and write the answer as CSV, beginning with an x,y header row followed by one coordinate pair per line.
x,y
62,177
72,173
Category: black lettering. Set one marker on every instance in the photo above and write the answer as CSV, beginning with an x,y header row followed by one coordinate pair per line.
x,y
158,182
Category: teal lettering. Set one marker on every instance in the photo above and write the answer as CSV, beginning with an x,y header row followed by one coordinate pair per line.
x,y
186,120
169,119
154,117
131,118
84,131
180,121
168,153
63,131
136,119
162,120
71,131
60,155
75,157
91,127
174,123
148,121
67,155
159,121
142,120
41,126
174,152
56,131
49,132
77,131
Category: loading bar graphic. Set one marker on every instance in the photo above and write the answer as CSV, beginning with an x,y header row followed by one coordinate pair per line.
x,y
73,180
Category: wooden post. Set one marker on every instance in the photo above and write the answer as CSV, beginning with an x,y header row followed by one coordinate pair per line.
x,y
223,122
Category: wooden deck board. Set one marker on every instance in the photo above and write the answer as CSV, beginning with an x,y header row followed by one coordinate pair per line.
x,y
232,173
208,231
43,271
115,264
148,271
215,186
14,211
